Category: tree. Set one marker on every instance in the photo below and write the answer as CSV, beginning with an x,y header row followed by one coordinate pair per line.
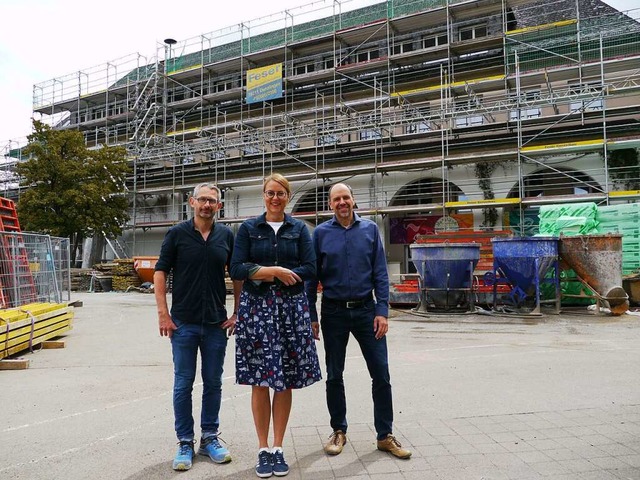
x,y
71,191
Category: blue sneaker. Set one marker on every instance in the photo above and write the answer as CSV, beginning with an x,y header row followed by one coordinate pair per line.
x,y
264,467
280,467
212,448
184,456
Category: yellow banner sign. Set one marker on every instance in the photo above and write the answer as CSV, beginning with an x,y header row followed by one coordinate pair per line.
x,y
264,83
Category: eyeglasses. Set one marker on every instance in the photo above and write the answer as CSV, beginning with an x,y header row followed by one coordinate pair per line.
x,y
204,200
279,194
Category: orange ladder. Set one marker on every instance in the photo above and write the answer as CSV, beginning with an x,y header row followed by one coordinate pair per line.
x,y
17,285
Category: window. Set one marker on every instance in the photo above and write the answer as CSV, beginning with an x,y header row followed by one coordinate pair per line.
x,y
418,127
471,32
250,150
327,135
403,48
470,121
116,109
370,134
303,68
288,139
328,62
367,55
221,86
362,55
465,112
592,90
176,95
437,40
369,129
527,107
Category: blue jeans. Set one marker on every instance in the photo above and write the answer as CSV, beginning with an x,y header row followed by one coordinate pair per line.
x,y
337,323
185,342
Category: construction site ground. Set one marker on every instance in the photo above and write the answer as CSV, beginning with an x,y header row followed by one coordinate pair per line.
x,y
475,397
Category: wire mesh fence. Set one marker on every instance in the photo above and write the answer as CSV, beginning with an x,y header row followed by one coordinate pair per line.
x,y
33,268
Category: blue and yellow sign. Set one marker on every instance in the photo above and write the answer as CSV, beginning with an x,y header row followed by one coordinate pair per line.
x,y
264,83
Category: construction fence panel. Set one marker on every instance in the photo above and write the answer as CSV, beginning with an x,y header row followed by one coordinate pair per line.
x,y
33,268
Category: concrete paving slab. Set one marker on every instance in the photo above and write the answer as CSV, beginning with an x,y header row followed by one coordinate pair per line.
x,y
476,397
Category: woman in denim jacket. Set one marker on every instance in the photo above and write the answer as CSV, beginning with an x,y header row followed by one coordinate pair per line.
x,y
275,347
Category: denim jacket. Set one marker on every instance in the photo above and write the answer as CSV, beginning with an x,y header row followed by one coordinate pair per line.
x,y
257,244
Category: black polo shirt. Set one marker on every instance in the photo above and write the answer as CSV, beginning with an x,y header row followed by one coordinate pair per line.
x,y
198,267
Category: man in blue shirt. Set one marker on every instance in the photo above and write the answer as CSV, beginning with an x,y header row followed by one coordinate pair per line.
x,y
197,252
351,267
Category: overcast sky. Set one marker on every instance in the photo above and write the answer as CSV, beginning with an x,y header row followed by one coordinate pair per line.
x,y
44,39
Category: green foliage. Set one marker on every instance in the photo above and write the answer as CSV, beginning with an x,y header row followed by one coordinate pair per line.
x,y
483,173
624,168
71,191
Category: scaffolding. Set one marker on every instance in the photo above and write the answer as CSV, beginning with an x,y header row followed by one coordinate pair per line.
x,y
427,106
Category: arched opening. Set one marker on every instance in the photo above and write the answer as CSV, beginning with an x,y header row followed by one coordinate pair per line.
x,y
546,183
427,191
405,225
311,202
561,181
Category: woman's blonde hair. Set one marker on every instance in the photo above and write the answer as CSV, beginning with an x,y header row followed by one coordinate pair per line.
x,y
276,177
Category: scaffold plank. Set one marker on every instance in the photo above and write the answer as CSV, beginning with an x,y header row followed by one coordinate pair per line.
x,y
544,26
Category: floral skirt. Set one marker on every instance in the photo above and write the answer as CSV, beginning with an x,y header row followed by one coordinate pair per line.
x,y
274,343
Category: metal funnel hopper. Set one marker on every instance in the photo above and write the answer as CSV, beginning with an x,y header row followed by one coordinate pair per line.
x,y
524,259
597,260
527,263
445,270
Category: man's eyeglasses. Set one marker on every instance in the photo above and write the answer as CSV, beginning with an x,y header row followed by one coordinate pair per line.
x,y
203,200
271,194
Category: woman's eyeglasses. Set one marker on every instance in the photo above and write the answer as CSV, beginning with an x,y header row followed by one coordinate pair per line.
x,y
271,194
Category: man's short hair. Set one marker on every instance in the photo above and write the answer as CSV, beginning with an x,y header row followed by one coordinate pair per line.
x,y
210,186
341,183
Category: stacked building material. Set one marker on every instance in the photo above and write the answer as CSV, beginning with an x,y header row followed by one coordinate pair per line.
x,y
124,275
624,219
81,279
102,280
30,325
568,219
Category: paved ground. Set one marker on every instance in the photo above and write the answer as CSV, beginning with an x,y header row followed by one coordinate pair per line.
x,y
476,397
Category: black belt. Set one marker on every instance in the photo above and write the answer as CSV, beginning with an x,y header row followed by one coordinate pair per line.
x,y
354,303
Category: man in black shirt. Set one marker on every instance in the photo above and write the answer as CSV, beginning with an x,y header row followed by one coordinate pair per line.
x,y
196,252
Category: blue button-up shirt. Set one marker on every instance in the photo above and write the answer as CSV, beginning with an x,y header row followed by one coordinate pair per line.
x,y
351,264
258,245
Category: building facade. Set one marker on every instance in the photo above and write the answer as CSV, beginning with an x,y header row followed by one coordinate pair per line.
x,y
441,114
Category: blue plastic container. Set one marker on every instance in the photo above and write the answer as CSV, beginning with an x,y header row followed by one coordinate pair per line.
x,y
525,260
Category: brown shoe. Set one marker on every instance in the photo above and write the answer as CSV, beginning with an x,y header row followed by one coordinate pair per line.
x,y
391,445
336,443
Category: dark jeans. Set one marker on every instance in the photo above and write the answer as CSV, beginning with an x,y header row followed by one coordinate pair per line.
x,y
337,323
211,340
